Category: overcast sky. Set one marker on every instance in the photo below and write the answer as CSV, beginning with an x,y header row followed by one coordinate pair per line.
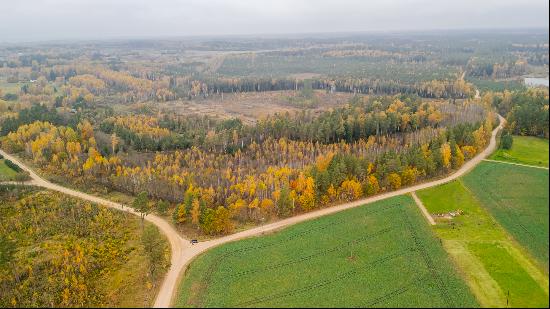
x,y
32,20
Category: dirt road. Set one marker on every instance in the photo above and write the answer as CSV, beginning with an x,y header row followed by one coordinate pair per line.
x,y
183,252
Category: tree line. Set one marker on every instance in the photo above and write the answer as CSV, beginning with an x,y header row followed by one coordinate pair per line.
x,y
526,111
428,89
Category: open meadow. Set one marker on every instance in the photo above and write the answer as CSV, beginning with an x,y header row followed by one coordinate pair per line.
x,y
249,107
525,150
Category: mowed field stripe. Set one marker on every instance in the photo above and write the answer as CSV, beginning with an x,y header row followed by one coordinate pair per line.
x,y
518,164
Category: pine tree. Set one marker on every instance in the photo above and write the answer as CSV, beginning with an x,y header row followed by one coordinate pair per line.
x,y
195,212
141,204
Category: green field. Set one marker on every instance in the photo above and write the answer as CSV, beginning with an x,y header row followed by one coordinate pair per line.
x,y
6,173
517,197
525,150
485,85
380,255
499,272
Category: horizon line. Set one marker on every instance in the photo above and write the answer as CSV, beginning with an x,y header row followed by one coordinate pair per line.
x,y
288,35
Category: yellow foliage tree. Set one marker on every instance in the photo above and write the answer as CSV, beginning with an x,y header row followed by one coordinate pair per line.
x,y
266,206
350,190
372,185
331,193
446,155
479,138
394,180
195,212
458,159
468,151
409,174
323,161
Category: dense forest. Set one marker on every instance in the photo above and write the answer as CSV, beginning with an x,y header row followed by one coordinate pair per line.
x,y
526,111
230,173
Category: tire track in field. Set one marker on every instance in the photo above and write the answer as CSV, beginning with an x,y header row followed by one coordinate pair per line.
x,y
318,228
512,214
311,256
429,263
394,293
326,282
215,264
509,212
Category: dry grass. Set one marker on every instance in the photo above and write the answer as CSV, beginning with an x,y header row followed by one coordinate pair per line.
x,y
250,107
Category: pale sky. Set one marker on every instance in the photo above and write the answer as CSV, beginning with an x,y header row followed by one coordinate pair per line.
x,y
37,20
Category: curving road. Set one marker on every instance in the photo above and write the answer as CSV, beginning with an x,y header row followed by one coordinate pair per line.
x,y
183,252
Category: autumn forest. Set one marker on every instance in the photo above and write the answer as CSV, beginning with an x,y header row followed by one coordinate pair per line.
x,y
217,136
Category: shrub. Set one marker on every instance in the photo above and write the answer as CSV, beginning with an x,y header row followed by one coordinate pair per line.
x,y
162,207
506,141
13,166
22,176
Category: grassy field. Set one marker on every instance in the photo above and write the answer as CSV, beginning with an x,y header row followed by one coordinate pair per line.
x,y
525,150
250,107
10,87
6,173
380,255
493,85
499,272
517,197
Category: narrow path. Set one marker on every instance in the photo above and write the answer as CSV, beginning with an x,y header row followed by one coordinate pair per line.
x,y
423,208
183,252
518,164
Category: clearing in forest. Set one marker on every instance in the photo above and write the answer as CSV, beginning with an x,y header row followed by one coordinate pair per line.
x,y
382,254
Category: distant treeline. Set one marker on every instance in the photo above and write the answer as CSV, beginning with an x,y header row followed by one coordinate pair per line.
x,y
30,115
427,89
